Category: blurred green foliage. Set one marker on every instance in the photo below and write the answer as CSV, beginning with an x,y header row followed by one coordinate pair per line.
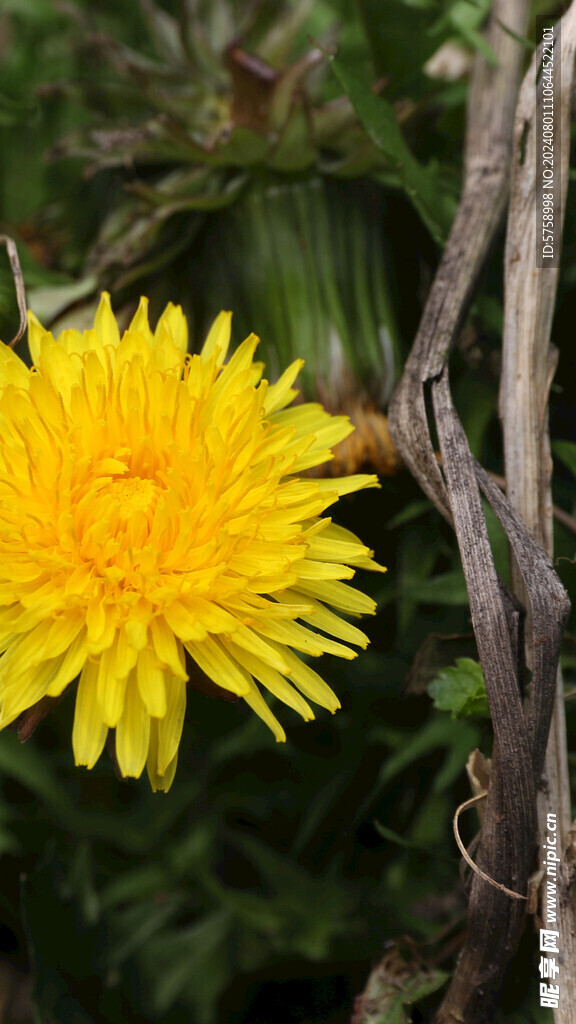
x,y
265,885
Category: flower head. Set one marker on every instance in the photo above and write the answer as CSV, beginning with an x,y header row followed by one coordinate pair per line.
x,y
151,504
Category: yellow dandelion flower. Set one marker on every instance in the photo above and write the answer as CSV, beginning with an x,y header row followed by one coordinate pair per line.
x,y
151,504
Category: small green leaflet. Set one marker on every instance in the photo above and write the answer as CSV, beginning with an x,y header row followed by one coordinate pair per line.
x,y
460,689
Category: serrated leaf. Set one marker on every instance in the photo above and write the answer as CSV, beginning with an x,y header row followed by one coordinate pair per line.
x,y
421,184
460,689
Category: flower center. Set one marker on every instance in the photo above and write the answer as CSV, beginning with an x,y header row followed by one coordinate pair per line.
x,y
118,516
132,494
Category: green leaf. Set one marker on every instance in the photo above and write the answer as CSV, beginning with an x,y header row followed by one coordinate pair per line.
x,y
498,542
191,960
138,883
246,738
529,1012
15,111
135,925
393,987
412,511
58,949
438,732
421,184
284,913
81,883
399,37
410,844
465,19
476,415
566,452
460,689
31,769
317,809
417,554
446,588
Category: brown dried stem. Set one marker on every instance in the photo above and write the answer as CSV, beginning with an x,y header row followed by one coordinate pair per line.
x,y
507,840
527,369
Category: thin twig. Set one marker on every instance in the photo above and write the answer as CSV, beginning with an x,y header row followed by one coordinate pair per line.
x,y
18,285
487,878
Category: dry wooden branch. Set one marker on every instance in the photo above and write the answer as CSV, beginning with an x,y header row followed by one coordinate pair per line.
x,y
490,117
527,368
507,839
